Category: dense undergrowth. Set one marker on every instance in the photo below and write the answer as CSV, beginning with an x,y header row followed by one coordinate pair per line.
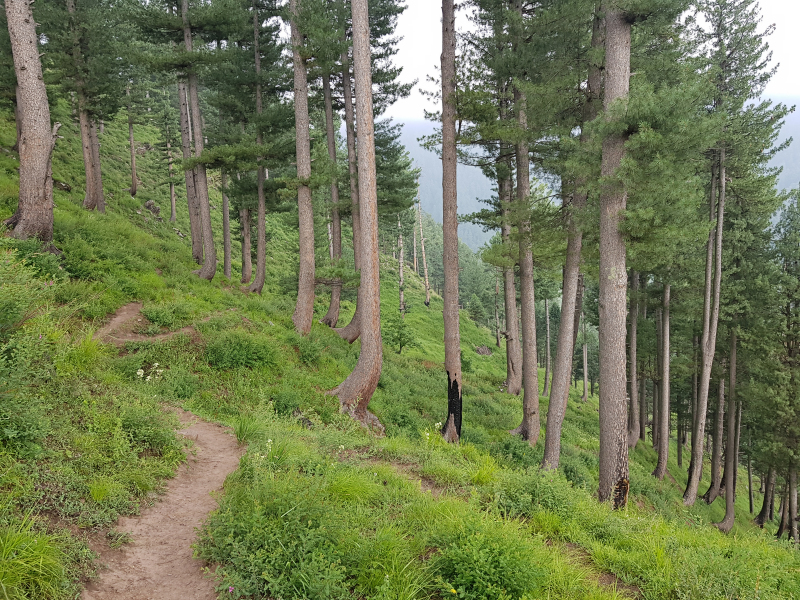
x,y
319,508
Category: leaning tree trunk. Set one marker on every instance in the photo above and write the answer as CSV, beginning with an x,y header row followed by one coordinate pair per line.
x,y
548,358
530,426
731,452
34,215
195,230
247,261
134,179
769,499
613,276
226,227
424,259
332,316
513,348
356,391
709,340
559,386
261,174
452,334
209,266
716,456
304,309
633,402
353,329
664,408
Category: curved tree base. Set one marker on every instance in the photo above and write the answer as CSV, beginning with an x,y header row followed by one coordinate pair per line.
x,y
725,525
365,418
352,331
450,433
331,318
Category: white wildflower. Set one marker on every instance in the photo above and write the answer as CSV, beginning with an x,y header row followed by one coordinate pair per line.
x,y
140,373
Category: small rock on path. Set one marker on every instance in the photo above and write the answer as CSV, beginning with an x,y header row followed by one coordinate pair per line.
x,y
158,563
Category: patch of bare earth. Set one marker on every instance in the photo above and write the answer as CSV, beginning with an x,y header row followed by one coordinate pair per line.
x,y
123,324
157,564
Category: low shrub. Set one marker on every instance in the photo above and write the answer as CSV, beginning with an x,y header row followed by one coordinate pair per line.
x,y
237,348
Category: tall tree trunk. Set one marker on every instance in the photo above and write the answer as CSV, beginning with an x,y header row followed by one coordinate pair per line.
x,y
497,310
332,316
247,262
209,266
769,499
693,421
173,214
750,475
709,339
452,334
548,358
614,482
633,402
401,260
559,387
530,426
195,230
34,215
793,532
585,363
353,329
97,173
261,174
356,391
730,451
416,270
642,380
513,349
716,455
134,179
424,259
226,227
304,309
663,418
784,511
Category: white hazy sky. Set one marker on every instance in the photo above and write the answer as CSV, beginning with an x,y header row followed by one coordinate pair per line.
x,y
420,27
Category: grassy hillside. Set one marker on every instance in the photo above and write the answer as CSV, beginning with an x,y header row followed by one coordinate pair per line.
x,y
319,508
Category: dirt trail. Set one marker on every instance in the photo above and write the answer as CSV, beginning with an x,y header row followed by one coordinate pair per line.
x,y
120,328
158,563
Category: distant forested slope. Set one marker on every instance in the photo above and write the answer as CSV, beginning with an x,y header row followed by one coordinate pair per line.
x,y
789,159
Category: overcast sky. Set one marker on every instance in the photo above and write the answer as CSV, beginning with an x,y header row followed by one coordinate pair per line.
x,y
420,27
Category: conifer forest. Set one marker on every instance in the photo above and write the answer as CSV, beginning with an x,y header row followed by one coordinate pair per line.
x,y
244,353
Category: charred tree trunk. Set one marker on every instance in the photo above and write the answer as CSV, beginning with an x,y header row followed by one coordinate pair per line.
x,y
356,391
769,499
247,262
304,309
332,316
34,215
530,426
633,402
195,230
353,329
664,408
226,227
559,387
613,276
452,335
710,320
134,179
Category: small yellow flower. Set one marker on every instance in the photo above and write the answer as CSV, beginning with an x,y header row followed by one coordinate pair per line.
x,y
452,590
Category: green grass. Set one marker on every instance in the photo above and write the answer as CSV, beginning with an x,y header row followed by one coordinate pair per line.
x,y
318,508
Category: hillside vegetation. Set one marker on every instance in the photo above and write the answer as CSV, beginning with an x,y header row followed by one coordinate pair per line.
x,y
319,507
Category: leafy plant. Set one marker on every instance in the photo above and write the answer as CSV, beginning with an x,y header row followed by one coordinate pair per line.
x,y
232,349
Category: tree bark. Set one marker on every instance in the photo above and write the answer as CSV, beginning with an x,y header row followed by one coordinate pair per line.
x,y
261,212
750,476
664,408
452,335
497,310
730,451
356,391
424,259
352,330
633,403
226,227
559,386
614,482
769,499
548,358
716,455
784,511
793,532
401,260
513,348
209,266
304,309
585,364
709,338
134,179
247,262
195,229
34,215
332,316
643,383
530,426
416,270
173,214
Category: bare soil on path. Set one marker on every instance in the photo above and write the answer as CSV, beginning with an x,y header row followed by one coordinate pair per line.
x,y
120,328
158,563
